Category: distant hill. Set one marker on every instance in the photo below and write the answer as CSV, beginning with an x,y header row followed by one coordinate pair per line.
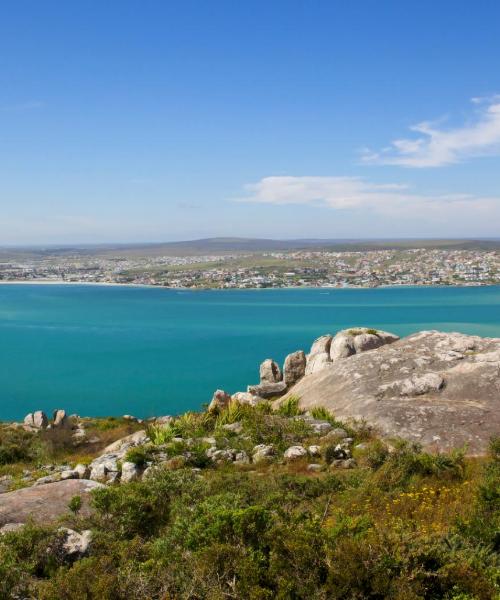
x,y
226,245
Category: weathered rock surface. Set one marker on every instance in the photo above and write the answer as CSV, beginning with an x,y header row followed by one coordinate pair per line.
x,y
44,503
36,420
317,362
294,367
246,398
60,418
220,400
105,466
268,390
270,371
262,453
321,345
76,544
295,453
359,339
439,389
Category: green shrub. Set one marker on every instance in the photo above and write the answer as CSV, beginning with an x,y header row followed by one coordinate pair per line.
x,y
139,455
75,504
290,407
17,445
162,434
408,461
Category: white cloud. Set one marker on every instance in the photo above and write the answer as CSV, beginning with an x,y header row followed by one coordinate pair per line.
x,y
388,200
437,147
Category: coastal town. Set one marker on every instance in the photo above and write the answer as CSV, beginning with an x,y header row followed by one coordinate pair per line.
x,y
300,268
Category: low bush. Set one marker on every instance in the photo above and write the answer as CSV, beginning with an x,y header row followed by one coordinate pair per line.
x,y
289,407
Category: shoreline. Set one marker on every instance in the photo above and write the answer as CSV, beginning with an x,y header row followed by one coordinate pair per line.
x,y
206,289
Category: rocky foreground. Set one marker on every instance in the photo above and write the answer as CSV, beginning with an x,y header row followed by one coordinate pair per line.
x,y
296,488
439,389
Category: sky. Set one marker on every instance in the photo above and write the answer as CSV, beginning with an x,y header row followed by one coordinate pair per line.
x,y
158,120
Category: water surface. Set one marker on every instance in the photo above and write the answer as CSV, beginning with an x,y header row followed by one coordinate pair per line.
x,y
104,350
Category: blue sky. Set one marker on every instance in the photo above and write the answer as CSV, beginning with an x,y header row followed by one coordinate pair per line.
x,y
155,120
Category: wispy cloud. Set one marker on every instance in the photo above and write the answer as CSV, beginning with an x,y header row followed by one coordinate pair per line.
x,y
358,195
436,146
22,106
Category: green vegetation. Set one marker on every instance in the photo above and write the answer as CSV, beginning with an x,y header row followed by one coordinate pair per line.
x,y
403,524
290,407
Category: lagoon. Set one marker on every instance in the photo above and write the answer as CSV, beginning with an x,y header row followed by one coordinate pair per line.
x,y
111,350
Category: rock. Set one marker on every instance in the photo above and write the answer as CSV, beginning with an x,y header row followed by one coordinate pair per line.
x,y
268,390
47,479
294,453
99,472
79,435
220,400
130,472
69,474
348,463
321,345
5,483
220,456
246,398
40,420
318,362
270,372
342,347
336,433
209,440
417,388
37,420
262,453
149,472
60,419
82,471
76,543
241,458
164,420
233,427
44,503
10,527
121,446
314,467
320,427
130,418
359,339
294,367
314,450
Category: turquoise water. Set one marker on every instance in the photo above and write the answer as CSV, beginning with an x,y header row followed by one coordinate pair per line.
x,y
99,350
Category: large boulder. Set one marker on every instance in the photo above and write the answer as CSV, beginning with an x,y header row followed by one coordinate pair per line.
x,y
76,544
246,398
294,453
130,472
268,390
318,362
262,453
321,345
319,356
294,367
359,339
342,346
270,372
438,389
60,418
220,401
36,420
44,503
